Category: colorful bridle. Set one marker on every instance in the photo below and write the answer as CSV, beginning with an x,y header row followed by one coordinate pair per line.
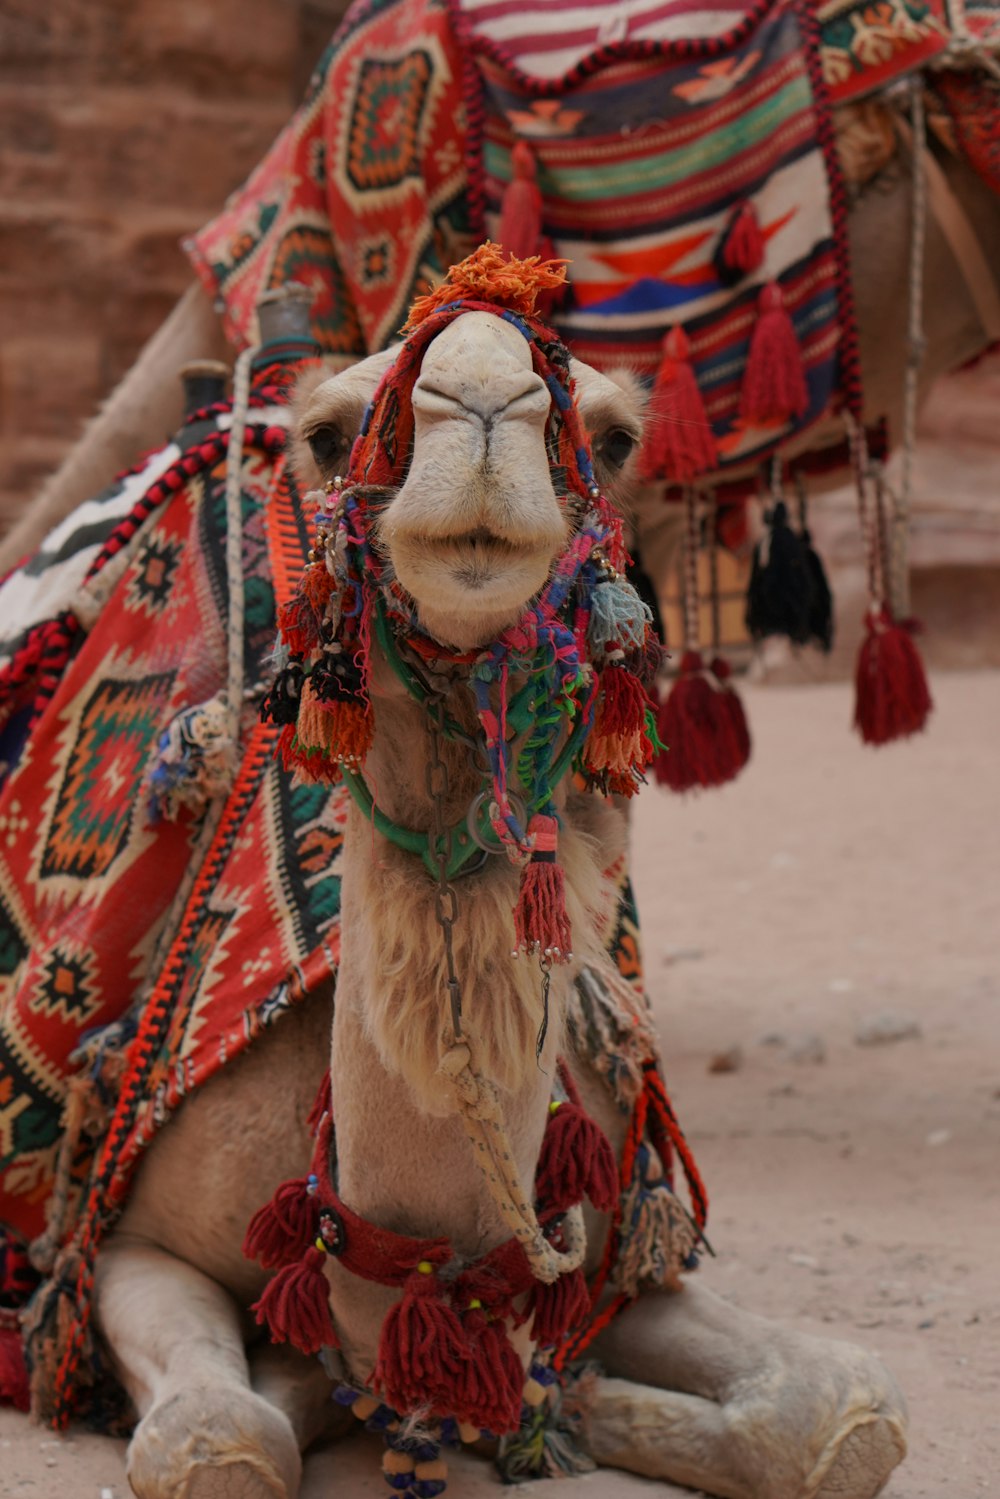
x,y
564,684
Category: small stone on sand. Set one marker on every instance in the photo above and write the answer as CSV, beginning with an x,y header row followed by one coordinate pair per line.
x,y
884,1026
727,1061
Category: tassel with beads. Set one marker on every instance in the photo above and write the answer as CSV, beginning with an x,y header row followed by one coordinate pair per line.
x,y
774,382
423,1352
741,246
893,700
697,726
279,1229
576,1161
541,922
558,1307
679,443
296,1305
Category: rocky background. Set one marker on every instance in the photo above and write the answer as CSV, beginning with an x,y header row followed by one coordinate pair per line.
x,y
123,126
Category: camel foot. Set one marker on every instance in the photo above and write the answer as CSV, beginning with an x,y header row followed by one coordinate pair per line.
x,y
708,1395
862,1461
745,1449
214,1444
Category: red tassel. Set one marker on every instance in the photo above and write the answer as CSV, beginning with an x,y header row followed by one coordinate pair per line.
x,y
493,1387
521,209
14,1388
618,742
697,726
541,922
296,1305
559,1308
576,1161
299,624
723,672
741,248
679,443
774,382
892,697
309,760
282,1226
423,1351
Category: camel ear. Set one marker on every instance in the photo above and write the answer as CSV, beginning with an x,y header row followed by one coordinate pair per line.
x,y
327,411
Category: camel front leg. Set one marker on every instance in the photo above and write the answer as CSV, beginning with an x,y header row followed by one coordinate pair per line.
x,y
707,1395
177,1343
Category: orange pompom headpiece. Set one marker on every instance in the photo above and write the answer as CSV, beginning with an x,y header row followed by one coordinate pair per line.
x,y
490,275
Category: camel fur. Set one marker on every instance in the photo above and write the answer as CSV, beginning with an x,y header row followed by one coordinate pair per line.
x,y
695,1390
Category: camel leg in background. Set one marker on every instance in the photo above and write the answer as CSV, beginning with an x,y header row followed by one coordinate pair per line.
x,y
177,1342
704,1394
141,413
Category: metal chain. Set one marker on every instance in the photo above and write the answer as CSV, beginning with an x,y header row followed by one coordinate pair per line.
x,y
445,898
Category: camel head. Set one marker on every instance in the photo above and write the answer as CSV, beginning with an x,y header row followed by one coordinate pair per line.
x,y
481,508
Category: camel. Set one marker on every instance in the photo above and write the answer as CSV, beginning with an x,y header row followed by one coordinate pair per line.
x,y
692,1389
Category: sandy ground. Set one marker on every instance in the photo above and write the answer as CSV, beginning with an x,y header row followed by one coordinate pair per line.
x,y
856,1188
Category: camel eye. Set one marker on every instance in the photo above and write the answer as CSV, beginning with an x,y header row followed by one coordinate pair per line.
x,y
329,446
616,447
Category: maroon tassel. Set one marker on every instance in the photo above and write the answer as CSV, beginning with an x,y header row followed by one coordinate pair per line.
x,y
282,1226
541,923
741,248
14,1388
697,726
723,673
892,697
679,443
493,1387
576,1161
423,1351
559,1307
774,382
296,1305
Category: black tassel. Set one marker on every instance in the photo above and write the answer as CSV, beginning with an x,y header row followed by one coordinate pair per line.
x,y
780,598
821,609
281,705
336,678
